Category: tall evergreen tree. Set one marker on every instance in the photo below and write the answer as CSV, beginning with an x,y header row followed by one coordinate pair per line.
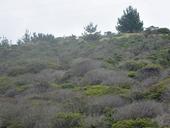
x,y
130,21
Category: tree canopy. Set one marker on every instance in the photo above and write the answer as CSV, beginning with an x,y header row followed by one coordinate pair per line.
x,y
130,21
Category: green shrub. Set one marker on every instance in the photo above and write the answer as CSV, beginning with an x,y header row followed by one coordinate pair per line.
x,y
134,65
67,86
132,74
163,31
166,36
149,71
98,90
15,124
5,83
35,67
30,68
115,59
152,68
162,57
17,71
11,123
138,123
92,37
156,91
21,88
67,120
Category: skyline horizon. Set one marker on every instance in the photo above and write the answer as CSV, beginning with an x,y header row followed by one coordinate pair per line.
x,y
67,17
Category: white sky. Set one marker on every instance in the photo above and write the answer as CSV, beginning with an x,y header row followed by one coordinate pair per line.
x,y
66,17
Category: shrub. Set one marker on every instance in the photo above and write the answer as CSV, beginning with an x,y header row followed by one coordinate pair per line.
x,y
156,91
10,115
143,109
163,31
163,120
132,74
15,124
72,101
96,90
91,33
65,120
137,123
149,71
106,77
162,57
165,96
30,68
94,122
41,86
92,37
81,67
102,104
134,65
5,83
16,71
35,67
153,68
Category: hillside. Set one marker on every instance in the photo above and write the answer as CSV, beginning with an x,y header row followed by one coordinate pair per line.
x,y
117,81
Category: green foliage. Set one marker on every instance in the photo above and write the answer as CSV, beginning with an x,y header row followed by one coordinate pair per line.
x,y
91,33
162,57
16,71
163,31
29,68
156,91
67,86
5,83
65,120
91,28
115,59
165,36
38,87
138,123
15,124
11,123
130,21
155,67
98,90
134,65
132,74
35,67
151,68
4,43
36,38
21,88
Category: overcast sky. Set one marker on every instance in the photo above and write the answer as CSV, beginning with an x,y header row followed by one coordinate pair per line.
x,y
66,17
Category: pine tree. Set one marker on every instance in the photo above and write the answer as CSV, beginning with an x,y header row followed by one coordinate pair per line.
x,y
130,21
